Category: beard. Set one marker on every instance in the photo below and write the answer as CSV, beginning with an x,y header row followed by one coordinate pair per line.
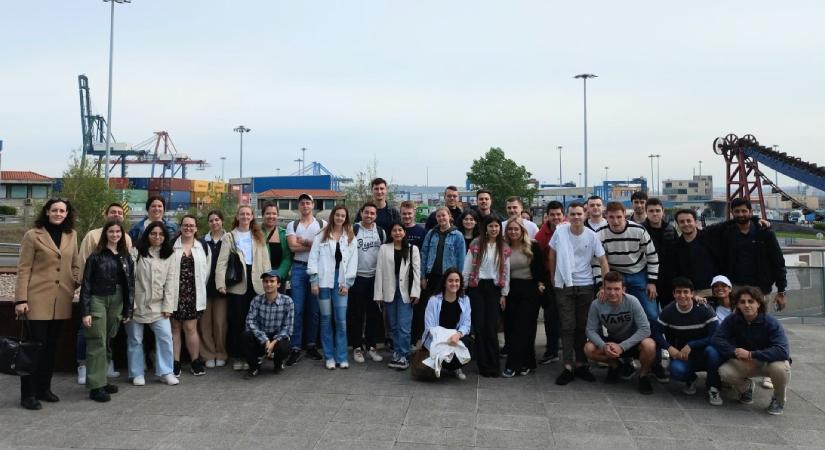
x,y
742,220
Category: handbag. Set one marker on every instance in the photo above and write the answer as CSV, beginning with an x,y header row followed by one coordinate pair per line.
x,y
17,356
418,369
235,268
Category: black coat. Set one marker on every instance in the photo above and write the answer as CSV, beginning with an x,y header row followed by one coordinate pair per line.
x,y
770,263
104,271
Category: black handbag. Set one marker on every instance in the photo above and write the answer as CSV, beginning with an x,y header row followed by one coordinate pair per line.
x,y
17,356
235,268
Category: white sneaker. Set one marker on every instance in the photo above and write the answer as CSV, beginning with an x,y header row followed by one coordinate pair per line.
x,y
373,354
460,374
714,398
169,379
81,374
358,355
767,383
237,364
330,364
111,372
220,362
344,365
139,380
690,388
210,363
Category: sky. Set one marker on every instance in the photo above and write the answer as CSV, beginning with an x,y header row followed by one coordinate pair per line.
x,y
422,87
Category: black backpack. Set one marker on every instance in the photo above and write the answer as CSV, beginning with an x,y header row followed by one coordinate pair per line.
x,y
381,233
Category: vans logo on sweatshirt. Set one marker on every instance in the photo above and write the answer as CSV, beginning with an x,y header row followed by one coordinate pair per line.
x,y
617,318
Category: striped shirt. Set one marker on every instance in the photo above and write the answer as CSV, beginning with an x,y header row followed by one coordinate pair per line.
x,y
268,320
679,328
630,251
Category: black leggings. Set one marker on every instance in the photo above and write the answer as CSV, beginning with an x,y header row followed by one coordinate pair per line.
x,y
46,332
237,310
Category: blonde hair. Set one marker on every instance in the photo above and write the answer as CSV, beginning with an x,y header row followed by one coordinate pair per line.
x,y
524,243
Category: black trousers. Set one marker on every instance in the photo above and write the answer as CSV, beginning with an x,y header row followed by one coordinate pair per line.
x,y
484,303
253,349
45,332
552,325
522,314
365,323
417,328
237,309
455,363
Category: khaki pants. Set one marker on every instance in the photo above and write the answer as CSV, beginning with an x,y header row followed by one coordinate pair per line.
x,y
213,329
738,374
106,315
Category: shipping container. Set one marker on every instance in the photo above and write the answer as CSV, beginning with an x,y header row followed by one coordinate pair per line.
x,y
200,198
170,184
217,187
200,186
179,196
261,184
118,183
140,183
174,206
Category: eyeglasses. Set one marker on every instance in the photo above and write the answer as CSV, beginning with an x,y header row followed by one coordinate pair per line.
x,y
188,225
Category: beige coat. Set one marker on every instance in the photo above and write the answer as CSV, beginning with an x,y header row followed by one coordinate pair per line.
x,y
156,287
89,244
260,264
47,276
202,267
385,275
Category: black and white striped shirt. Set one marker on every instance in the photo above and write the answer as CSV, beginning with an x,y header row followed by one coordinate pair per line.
x,y
631,250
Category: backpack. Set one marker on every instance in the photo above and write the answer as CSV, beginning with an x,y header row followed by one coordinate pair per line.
x,y
382,235
322,223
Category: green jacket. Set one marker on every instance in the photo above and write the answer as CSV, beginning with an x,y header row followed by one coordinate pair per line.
x,y
286,260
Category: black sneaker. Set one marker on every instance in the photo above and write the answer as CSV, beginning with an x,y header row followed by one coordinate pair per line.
x,y
99,395
110,389
251,373
314,354
661,374
31,403
294,357
612,375
176,369
565,377
549,357
278,365
645,386
626,370
197,368
584,373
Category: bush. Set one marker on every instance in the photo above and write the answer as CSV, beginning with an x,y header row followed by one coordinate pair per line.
x,y
8,210
819,226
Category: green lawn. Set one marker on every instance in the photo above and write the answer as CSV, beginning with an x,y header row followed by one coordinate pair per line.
x,y
796,234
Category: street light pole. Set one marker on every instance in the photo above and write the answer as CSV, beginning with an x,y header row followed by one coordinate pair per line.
x,y
560,178
700,167
109,110
584,77
658,174
605,172
652,180
223,163
240,129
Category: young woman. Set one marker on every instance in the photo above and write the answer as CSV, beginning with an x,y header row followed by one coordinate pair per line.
x,y
213,321
247,240
450,308
106,299
469,228
527,284
192,263
156,297
720,301
155,209
46,279
487,274
332,266
280,256
398,286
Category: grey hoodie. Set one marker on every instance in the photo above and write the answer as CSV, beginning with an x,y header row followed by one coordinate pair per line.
x,y
626,323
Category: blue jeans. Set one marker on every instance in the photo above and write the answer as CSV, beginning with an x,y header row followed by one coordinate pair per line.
x,y
399,315
704,360
304,301
636,285
163,347
331,303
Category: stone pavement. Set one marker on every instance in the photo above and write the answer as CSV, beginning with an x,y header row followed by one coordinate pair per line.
x,y
371,406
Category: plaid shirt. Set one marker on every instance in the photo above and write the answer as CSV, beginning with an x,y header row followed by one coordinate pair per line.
x,y
273,319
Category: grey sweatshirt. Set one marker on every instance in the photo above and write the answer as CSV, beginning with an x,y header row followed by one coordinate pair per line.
x,y
626,323
369,244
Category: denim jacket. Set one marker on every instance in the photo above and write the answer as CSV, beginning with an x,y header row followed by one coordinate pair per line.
x,y
454,251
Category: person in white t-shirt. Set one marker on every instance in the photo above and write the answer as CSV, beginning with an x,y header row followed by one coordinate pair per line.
x,y
514,209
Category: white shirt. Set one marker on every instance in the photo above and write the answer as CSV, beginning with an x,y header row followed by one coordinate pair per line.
x,y
488,270
244,243
305,232
585,247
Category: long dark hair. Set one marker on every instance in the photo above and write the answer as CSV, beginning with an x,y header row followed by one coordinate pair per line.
x,y
43,218
122,250
482,240
143,245
406,253
442,288
754,292
460,223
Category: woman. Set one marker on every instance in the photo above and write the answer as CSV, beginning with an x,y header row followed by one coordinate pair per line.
x,y
332,266
280,256
720,301
192,263
449,308
213,321
156,297
43,298
754,343
469,228
527,284
398,285
487,274
106,299
247,240
155,209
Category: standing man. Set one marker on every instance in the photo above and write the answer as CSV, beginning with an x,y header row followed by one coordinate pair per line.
x,y
299,236
268,326
553,217
414,232
387,214
595,219
639,200
484,202
664,239
692,258
365,324
514,208
452,204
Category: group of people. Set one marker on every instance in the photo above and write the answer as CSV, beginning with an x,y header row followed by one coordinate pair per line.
x,y
328,290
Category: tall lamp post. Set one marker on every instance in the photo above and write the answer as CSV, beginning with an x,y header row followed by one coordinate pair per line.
x,y
560,178
605,172
652,188
109,110
223,163
700,167
584,77
240,129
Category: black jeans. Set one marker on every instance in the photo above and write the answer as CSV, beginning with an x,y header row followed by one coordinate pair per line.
x,y
522,314
45,332
574,305
237,310
364,320
485,311
455,363
552,327
253,349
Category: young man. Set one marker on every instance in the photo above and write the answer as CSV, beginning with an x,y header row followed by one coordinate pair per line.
x,y
684,329
570,252
484,203
514,208
595,219
364,322
452,203
387,214
639,201
268,326
664,239
414,232
553,217
692,258
155,208
299,236
627,334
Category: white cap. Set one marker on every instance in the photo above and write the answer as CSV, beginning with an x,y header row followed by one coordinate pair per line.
x,y
721,279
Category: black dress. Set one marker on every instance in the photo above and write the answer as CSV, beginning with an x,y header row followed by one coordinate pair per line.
x,y
187,301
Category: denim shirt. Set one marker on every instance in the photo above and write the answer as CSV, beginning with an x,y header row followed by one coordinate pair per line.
x,y
454,251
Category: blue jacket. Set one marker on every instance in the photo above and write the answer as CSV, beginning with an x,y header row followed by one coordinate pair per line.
x,y
454,251
764,338
433,314
137,229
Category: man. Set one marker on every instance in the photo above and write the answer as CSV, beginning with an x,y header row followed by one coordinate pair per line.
x,y
387,215
414,232
155,208
664,239
569,256
299,236
639,201
692,258
484,204
595,220
269,325
364,322
627,334
451,202
685,329
514,208
553,217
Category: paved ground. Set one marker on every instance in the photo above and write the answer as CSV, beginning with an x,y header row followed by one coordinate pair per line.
x,y
370,406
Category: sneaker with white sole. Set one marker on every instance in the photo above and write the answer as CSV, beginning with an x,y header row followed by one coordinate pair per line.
x,y
169,379
344,365
220,362
210,363
460,374
776,408
374,356
330,364
714,397
767,383
139,380
690,388
746,398
81,374
237,364
111,372
358,355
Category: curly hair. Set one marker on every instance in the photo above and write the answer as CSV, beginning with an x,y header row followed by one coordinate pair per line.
x,y
43,218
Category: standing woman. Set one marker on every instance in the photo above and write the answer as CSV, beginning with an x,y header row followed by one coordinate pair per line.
x,y
192,263
398,285
469,226
247,240
487,273
332,267
106,299
213,321
527,284
41,297
156,297
280,256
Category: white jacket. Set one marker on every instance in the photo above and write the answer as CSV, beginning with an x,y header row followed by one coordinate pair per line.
x,y
385,275
441,351
321,262
202,267
156,286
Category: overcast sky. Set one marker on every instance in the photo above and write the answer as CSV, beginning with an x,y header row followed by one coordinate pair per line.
x,y
417,85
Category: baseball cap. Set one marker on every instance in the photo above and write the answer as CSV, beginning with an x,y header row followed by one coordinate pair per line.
x,y
306,196
721,279
270,274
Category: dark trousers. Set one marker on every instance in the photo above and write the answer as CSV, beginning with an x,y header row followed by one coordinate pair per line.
x,y
574,305
254,349
45,332
552,326
484,303
237,310
522,314
455,363
364,319
417,329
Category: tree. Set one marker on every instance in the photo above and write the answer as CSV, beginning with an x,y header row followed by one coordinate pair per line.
x,y
85,188
503,177
359,191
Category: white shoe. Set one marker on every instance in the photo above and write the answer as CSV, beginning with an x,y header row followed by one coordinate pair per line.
x,y
139,380
220,362
373,354
714,397
169,379
690,388
767,383
344,365
210,363
358,355
330,364
237,364
111,372
460,374
81,374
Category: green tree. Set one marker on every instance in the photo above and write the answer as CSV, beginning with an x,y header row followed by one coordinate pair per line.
x,y
503,177
359,191
85,187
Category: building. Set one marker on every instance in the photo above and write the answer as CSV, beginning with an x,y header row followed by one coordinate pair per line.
x,y
19,188
697,189
287,201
